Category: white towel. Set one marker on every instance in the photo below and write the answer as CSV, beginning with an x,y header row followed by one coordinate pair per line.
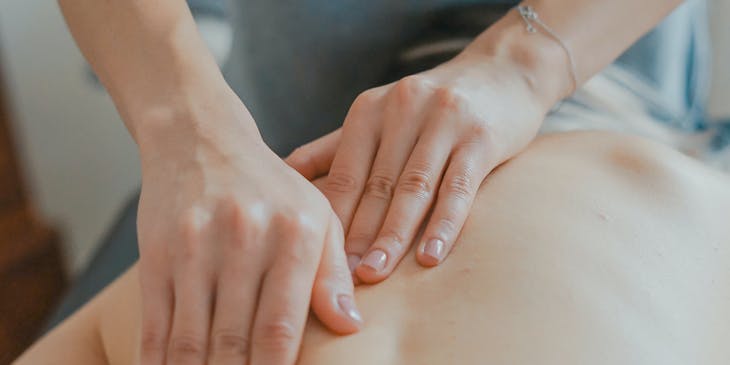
x,y
608,102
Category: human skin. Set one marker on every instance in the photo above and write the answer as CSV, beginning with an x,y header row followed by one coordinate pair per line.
x,y
588,248
429,140
218,237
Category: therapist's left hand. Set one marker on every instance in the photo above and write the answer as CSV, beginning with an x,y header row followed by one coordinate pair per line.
x,y
424,142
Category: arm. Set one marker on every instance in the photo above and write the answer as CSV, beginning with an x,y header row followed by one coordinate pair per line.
x,y
426,142
149,56
565,287
596,33
228,264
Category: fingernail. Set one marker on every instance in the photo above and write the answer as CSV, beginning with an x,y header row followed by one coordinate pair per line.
x,y
353,261
375,260
347,306
434,248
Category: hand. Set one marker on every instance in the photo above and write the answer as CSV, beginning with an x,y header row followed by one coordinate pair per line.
x,y
424,142
232,243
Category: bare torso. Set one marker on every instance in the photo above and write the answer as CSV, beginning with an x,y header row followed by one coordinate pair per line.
x,y
586,248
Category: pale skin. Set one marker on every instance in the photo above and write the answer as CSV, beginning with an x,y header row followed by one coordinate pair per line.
x,y
230,264
631,268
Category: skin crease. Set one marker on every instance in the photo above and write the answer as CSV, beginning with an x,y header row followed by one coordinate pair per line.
x,y
220,233
439,117
631,268
428,141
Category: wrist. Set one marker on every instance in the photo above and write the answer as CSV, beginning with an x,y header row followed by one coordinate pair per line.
x,y
194,126
166,98
541,60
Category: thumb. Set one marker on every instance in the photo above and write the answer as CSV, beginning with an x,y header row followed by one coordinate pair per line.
x,y
333,301
314,159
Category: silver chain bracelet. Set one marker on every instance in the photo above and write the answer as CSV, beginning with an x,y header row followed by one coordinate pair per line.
x,y
529,15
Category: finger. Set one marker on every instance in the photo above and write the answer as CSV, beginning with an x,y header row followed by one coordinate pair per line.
x,y
237,292
332,296
156,291
414,195
284,301
391,157
403,115
314,159
189,335
354,157
456,195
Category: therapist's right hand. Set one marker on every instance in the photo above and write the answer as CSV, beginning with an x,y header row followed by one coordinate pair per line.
x,y
232,244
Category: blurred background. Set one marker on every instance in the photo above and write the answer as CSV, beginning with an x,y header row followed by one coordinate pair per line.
x,y
78,160
68,164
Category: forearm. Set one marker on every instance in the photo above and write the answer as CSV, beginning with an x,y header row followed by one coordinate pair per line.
x,y
149,56
595,32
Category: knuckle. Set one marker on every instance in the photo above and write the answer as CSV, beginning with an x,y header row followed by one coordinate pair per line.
x,y
482,132
415,82
255,216
185,346
294,223
449,98
236,216
278,336
246,224
417,182
446,226
367,97
408,87
296,250
459,186
360,236
152,339
230,342
380,185
340,182
394,237
358,242
295,258
364,101
186,250
190,225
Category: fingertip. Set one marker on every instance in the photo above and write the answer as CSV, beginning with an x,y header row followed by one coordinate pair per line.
x,y
337,311
347,306
427,261
368,275
333,292
431,252
378,263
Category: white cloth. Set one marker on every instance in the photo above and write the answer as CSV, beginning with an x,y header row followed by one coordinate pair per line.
x,y
608,102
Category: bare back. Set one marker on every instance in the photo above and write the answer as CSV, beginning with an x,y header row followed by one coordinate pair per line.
x,y
586,248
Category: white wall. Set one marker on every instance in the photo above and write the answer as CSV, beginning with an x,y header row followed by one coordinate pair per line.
x,y
81,164
80,161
